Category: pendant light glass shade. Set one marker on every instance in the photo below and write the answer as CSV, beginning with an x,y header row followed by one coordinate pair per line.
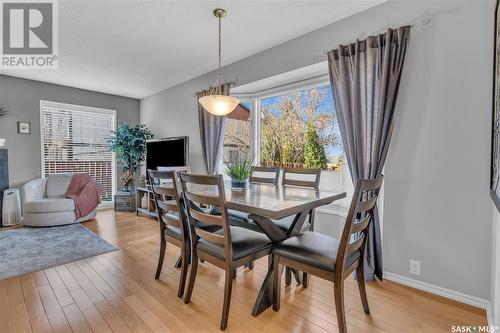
x,y
219,105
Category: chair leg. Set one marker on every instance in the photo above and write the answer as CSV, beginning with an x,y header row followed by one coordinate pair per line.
x,y
163,246
276,284
192,277
178,263
227,298
296,275
184,269
305,280
339,306
288,276
360,277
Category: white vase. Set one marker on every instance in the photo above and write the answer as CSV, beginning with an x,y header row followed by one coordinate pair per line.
x,y
2,142
144,201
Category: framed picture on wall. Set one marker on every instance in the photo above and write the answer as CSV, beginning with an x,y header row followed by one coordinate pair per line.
x,y
23,127
495,128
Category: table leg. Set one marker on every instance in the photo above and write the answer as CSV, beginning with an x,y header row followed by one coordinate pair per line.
x,y
276,235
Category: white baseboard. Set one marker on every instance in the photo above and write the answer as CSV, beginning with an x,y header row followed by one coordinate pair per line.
x,y
451,294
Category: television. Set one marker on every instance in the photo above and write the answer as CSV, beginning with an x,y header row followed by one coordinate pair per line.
x,y
167,152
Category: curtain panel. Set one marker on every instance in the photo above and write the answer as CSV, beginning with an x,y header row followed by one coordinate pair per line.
x,y
211,132
365,78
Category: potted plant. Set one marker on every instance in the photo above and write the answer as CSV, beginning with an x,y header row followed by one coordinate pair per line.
x,y
3,112
239,172
129,144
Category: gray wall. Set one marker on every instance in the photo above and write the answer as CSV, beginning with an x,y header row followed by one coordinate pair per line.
x,y
437,208
22,98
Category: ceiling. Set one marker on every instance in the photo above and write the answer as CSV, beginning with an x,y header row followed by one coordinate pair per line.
x,y
137,48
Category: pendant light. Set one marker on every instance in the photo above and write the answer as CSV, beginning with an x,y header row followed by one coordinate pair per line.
x,y
216,103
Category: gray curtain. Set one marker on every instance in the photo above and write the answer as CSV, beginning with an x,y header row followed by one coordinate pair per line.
x,y
211,132
365,78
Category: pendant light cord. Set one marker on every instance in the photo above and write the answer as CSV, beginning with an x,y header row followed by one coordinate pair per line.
x,y
220,52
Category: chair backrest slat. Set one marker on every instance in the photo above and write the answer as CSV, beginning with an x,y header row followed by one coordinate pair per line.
x,y
361,225
354,246
207,190
206,218
316,173
274,173
167,197
202,199
170,205
357,222
209,236
366,205
165,190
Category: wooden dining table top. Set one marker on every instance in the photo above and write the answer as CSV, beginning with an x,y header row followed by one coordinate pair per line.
x,y
272,201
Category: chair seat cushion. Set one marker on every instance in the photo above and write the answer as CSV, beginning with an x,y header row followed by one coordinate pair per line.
x,y
286,222
240,219
49,205
313,249
245,242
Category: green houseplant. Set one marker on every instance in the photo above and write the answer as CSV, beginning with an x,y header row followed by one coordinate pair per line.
x,y
129,144
239,172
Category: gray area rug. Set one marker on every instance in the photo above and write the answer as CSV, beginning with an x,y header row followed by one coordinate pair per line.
x,y
28,250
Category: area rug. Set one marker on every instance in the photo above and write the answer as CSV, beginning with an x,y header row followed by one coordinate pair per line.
x,y
28,250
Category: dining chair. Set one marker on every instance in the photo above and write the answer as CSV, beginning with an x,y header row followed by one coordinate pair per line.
x,y
329,258
227,248
260,175
171,217
300,177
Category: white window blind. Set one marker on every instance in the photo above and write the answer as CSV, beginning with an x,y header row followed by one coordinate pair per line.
x,y
74,140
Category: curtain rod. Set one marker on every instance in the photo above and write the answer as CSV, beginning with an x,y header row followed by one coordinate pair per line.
x,y
324,55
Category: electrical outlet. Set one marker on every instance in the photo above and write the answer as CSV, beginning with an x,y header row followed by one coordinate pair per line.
x,y
414,267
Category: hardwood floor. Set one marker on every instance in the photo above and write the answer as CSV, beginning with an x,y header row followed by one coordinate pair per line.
x,y
117,292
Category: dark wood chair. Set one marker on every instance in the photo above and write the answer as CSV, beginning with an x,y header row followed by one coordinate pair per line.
x,y
171,217
300,177
266,175
227,248
329,258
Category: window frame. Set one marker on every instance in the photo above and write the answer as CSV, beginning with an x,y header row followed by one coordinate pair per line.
x,y
80,108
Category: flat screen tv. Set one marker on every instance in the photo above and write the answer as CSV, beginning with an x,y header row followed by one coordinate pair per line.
x,y
167,152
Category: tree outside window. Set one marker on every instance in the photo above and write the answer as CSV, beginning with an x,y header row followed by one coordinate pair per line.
x,y
300,129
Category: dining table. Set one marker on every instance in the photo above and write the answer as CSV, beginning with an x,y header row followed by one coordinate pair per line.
x,y
265,203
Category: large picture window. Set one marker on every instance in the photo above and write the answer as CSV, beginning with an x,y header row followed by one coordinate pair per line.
x,y
74,140
300,129
296,128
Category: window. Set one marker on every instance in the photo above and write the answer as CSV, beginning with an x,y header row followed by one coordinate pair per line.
x,y
297,128
74,139
237,134
300,129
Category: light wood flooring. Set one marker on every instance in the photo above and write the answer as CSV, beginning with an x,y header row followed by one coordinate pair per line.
x,y
117,292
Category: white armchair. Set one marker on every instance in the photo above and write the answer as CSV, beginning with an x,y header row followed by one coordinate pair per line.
x,y
44,203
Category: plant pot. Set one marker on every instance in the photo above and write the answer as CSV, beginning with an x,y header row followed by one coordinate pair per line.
x,y
239,185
